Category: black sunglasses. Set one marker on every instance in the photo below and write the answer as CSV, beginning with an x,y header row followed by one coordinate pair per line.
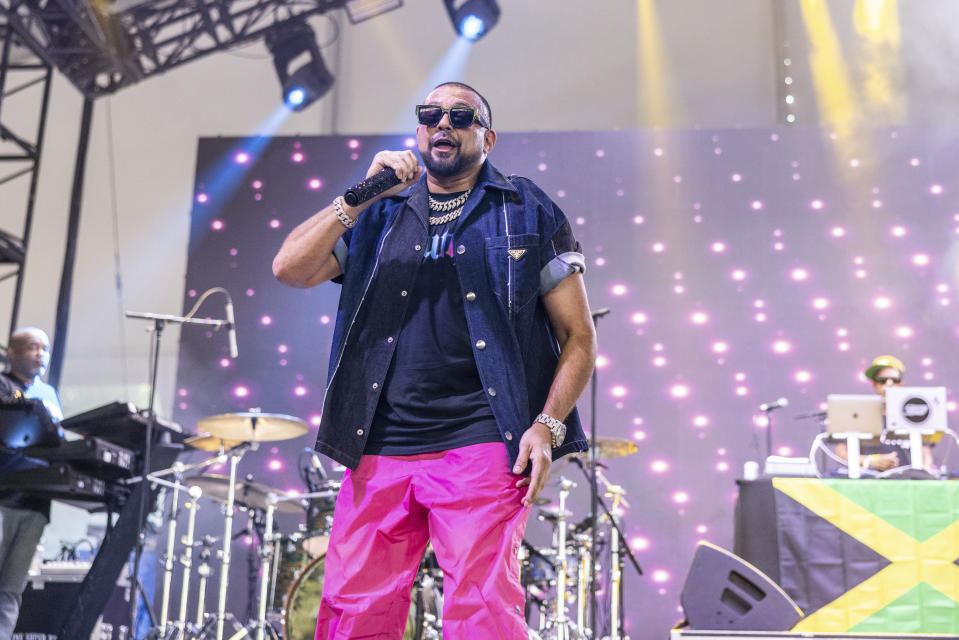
x,y
888,380
460,117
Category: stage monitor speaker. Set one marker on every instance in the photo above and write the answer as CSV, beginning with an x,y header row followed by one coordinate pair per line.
x,y
724,592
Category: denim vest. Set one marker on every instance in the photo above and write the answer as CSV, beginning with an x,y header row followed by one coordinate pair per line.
x,y
504,233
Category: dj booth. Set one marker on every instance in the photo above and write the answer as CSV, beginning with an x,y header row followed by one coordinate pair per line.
x,y
859,556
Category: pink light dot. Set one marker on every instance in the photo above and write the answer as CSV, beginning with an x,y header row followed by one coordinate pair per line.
x,y
679,289
182,393
658,247
699,317
914,162
722,465
659,361
241,392
638,220
659,466
242,157
282,348
799,274
619,391
639,435
898,231
784,451
927,376
224,362
266,320
877,204
861,273
760,317
719,347
854,163
936,189
257,184
250,293
217,225
600,262
274,224
315,183
600,153
816,205
820,303
782,346
324,319
299,391
739,377
275,464
297,157
679,391
639,543
581,221
202,198
920,260
759,303
639,318
660,576
718,247
677,179
680,497
844,346
701,529
658,347
842,332
761,421
619,289
315,419
742,391
658,152
882,302
258,196
904,331
926,362
756,205
701,421
738,275
802,376
601,361
837,232
942,288
736,177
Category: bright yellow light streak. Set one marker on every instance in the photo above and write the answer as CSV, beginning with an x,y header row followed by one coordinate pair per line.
x,y
654,95
834,90
880,64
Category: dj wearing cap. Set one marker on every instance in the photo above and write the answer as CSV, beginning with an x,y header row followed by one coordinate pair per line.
x,y
882,373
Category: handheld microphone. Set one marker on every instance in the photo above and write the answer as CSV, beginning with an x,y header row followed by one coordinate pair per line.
x,y
599,313
769,406
371,187
231,329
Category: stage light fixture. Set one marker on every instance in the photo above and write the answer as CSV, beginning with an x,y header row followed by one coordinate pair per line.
x,y
292,43
473,19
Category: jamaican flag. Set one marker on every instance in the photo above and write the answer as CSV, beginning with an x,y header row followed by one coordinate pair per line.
x,y
867,555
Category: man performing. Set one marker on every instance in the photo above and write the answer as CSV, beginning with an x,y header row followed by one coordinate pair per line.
x,y
22,518
463,340
885,372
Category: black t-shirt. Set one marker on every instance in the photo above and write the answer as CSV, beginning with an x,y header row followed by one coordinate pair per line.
x,y
433,398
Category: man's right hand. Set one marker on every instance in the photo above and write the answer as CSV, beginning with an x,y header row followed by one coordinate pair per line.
x,y
404,163
885,461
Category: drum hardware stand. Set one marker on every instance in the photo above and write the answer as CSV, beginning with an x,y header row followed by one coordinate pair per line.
x,y
203,572
616,563
583,581
561,621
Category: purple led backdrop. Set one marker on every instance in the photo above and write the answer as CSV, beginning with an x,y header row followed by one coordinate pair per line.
x,y
740,266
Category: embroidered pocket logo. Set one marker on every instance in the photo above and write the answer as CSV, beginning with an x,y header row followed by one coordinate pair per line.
x,y
516,254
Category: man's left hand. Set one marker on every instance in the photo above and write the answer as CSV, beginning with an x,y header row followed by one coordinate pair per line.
x,y
535,446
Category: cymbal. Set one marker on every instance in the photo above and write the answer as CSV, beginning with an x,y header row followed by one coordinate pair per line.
x,y
607,447
253,426
247,493
206,442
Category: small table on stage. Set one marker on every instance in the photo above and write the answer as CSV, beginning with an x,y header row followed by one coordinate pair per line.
x,y
857,555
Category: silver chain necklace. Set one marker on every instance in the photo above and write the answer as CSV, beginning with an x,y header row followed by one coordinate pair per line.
x,y
454,208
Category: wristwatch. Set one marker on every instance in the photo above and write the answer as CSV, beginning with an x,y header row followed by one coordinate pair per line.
x,y
556,429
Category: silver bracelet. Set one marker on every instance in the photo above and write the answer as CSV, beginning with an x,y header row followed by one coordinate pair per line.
x,y
347,221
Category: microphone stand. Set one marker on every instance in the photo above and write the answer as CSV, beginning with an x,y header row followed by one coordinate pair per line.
x,y
593,491
159,323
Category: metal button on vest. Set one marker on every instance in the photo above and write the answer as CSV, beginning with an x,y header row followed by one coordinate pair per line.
x,y
491,391
471,296
359,432
418,248
403,293
481,344
376,385
390,339
509,435
461,249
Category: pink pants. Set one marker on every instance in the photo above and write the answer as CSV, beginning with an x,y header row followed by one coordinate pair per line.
x,y
466,502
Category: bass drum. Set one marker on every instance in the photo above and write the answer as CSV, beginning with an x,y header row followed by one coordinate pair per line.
x,y
302,605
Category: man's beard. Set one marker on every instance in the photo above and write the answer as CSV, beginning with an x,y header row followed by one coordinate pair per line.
x,y
451,165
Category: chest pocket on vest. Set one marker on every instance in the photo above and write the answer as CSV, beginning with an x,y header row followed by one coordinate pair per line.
x,y
513,267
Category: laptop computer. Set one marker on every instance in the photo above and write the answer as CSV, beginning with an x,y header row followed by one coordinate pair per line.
x,y
854,413
922,408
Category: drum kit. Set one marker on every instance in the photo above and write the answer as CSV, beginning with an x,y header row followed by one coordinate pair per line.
x,y
560,579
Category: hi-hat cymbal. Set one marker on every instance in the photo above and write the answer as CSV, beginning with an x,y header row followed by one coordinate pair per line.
x,y
206,442
253,426
247,493
607,447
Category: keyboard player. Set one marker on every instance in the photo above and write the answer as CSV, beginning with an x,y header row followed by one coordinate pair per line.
x,y
23,517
